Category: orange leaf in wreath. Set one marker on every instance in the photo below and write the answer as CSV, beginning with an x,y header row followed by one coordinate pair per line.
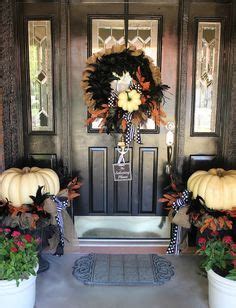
x,y
143,99
145,85
96,113
123,125
90,120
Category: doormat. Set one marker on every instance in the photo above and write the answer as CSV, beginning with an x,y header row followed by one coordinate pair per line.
x,y
135,270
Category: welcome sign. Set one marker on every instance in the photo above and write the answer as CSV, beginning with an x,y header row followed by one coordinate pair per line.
x,y
122,172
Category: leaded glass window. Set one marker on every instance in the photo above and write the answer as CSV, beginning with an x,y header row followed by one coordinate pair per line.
x,y
40,74
207,74
141,33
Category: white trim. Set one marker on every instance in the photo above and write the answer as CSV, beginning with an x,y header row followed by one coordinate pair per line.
x,y
120,243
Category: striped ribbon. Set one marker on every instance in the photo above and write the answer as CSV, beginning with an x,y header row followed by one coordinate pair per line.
x,y
61,204
173,247
132,132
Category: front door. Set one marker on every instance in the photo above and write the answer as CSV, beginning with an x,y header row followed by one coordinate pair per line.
x,y
93,27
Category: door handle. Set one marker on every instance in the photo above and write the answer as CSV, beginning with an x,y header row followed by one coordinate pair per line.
x,y
170,126
169,142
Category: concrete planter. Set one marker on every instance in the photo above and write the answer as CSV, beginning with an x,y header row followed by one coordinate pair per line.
x,y
221,291
22,296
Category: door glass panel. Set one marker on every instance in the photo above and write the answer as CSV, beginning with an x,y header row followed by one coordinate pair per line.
x,y
40,73
141,33
207,71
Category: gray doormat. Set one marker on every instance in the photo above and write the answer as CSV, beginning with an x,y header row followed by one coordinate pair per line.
x,y
104,269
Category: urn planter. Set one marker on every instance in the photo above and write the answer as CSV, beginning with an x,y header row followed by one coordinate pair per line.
x,y
221,291
22,296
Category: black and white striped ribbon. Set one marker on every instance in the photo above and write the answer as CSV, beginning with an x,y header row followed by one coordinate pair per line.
x,y
173,247
132,132
112,98
182,201
61,204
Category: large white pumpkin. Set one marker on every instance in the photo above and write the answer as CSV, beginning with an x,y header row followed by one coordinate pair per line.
x,y
17,185
217,187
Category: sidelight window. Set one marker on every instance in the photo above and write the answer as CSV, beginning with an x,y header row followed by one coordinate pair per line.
x,y
40,75
207,76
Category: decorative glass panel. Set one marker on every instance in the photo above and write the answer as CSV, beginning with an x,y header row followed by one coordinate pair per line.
x,y
40,71
207,71
141,33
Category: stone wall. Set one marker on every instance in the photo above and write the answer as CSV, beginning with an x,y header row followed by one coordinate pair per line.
x,y
229,125
2,165
9,83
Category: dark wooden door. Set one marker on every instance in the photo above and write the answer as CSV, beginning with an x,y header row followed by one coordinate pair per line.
x,y
94,153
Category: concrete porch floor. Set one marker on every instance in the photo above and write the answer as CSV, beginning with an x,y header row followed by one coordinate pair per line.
x,y
57,288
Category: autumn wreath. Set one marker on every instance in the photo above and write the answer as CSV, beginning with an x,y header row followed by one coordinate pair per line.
x,y
123,88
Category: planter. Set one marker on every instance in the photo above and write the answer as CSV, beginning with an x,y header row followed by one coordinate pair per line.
x,y
22,296
222,291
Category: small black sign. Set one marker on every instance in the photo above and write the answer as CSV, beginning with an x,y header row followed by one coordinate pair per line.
x,y
122,172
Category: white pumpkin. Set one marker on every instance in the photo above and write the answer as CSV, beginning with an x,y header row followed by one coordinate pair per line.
x,y
17,185
217,187
129,100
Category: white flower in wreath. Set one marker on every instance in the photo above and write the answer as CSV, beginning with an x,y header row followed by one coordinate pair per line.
x,y
129,100
123,83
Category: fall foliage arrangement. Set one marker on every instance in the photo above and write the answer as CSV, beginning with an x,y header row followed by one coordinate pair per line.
x,y
122,87
46,213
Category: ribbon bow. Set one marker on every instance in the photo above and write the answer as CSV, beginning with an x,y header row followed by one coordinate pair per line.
x,y
173,247
61,204
133,132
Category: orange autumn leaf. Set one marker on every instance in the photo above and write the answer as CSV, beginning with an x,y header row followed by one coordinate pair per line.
x,y
35,219
141,79
229,224
162,200
14,211
213,225
221,222
207,224
143,99
169,197
96,113
232,212
203,228
90,120
123,125
72,195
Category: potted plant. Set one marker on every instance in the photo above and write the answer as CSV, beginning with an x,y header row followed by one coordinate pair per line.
x,y
219,261
18,268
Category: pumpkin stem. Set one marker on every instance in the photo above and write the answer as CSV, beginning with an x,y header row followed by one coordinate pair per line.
x,y
219,172
26,169
128,97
